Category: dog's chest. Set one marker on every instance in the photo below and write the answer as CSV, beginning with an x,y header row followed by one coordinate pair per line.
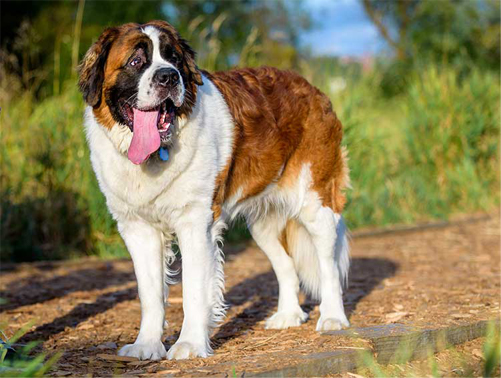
x,y
157,192
136,188
151,191
158,203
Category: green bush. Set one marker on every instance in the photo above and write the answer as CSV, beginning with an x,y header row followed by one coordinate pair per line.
x,y
18,361
452,141
427,153
51,206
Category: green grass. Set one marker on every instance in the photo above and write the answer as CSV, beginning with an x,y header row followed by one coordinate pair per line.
x,y
51,203
430,152
22,363
450,361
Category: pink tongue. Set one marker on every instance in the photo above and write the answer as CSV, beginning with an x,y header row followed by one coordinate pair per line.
x,y
145,138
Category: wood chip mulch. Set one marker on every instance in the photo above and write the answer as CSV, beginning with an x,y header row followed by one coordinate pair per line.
x,y
87,309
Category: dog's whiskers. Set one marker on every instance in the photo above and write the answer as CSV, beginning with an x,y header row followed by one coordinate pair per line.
x,y
132,97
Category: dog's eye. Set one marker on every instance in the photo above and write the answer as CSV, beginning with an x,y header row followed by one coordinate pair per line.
x,y
136,61
171,56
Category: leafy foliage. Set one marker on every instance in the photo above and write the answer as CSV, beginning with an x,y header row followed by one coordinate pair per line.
x,y
16,361
422,134
450,31
38,44
460,33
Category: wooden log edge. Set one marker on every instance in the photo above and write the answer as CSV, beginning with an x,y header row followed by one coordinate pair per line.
x,y
397,229
394,343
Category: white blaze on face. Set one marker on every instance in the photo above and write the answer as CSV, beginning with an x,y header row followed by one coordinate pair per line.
x,y
148,95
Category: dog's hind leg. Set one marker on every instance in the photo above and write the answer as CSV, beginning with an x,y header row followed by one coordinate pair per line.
x,y
144,243
266,232
328,235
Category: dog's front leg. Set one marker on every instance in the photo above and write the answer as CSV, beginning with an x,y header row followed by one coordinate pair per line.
x,y
198,263
145,247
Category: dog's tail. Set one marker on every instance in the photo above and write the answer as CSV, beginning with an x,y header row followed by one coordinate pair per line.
x,y
301,248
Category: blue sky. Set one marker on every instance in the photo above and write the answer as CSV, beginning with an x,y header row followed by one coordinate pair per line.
x,y
341,27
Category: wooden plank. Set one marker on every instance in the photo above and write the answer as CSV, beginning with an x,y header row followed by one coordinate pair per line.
x,y
317,364
393,343
368,333
402,343
364,233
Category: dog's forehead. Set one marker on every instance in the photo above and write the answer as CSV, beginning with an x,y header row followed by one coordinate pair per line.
x,y
162,37
132,34
153,31
164,28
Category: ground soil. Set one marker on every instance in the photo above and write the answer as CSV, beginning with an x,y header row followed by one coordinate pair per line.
x,y
433,277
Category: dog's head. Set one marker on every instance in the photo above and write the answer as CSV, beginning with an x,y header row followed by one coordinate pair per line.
x,y
141,77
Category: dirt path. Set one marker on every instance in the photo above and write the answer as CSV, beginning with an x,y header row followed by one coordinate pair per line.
x,y
434,277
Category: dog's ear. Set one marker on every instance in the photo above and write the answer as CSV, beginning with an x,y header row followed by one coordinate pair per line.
x,y
189,58
91,69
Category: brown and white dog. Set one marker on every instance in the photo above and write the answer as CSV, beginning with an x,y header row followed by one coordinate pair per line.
x,y
179,152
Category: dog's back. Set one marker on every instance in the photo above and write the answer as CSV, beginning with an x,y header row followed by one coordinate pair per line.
x,y
282,123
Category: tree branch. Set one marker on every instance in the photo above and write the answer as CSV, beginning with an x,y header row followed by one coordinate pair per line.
x,y
377,19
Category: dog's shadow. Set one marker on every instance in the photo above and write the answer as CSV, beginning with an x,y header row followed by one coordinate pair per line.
x,y
36,289
262,291
79,314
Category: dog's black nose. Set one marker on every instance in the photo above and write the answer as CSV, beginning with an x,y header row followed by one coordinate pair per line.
x,y
166,76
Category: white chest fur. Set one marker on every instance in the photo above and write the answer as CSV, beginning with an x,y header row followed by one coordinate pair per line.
x,y
159,191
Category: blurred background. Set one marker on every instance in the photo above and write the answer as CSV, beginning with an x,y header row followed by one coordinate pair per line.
x,y
415,83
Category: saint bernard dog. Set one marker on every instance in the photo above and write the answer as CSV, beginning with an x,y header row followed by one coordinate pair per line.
x,y
179,152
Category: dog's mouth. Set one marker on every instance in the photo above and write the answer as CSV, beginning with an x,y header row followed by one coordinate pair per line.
x,y
151,129
166,114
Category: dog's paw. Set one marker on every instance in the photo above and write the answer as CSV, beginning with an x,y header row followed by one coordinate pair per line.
x,y
282,319
144,351
332,324
182,350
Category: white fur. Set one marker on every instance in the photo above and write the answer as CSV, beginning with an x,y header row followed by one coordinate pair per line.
x,y
147,96
144,243
318,246
171,197
328,237
287,201
305,258
156,200
266,232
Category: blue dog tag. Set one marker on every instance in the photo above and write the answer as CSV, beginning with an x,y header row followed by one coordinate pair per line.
x,y
164,154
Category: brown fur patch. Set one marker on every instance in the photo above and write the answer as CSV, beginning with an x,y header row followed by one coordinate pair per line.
x,y
282,122
91,69
97,70
123,47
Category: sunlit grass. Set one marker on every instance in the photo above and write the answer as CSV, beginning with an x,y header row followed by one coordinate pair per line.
x,y
449,362
427,153
51,203
21,363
